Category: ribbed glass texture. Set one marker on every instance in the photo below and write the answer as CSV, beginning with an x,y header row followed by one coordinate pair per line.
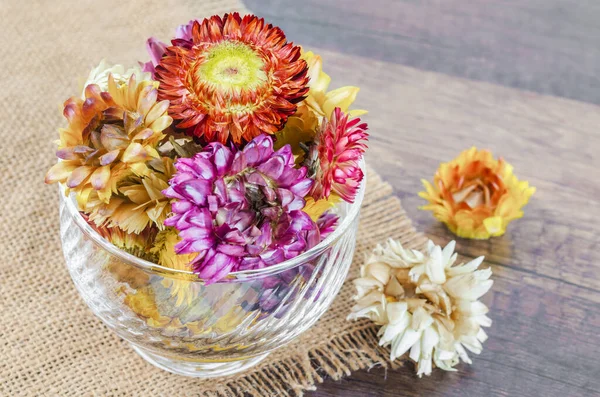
x,y
181,325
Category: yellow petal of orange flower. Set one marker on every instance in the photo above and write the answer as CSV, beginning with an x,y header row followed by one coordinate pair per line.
x,y
475,195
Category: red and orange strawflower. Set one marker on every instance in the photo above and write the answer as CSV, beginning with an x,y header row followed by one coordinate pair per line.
x,y
234,79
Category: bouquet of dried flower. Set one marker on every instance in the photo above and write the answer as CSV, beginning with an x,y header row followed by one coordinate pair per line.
x,y
226,152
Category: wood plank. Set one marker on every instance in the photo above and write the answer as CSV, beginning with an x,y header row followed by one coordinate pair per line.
x,y
544,342
547,46
418,119
546,300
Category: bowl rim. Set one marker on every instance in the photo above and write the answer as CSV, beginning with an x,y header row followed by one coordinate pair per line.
x,y
82,224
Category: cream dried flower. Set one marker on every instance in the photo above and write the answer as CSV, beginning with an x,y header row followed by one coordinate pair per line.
x,y
99,75
424,303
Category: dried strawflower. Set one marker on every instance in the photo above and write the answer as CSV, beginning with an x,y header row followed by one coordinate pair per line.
x,y
302,127
272,290
424,303
138,244
111,136
99,75
334,157
233,79
475,195
157,49
321,101
138,201
239,209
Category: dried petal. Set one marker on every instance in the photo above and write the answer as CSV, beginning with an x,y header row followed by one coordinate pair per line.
x,y
475,195
246,211
247,82
426,305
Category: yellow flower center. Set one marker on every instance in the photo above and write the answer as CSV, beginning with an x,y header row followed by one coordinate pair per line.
x,y
232,66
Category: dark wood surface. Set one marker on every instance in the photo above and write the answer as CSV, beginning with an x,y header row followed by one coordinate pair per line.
x,y
546,46
420,68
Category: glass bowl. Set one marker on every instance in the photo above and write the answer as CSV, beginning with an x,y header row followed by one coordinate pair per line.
x,y
177,323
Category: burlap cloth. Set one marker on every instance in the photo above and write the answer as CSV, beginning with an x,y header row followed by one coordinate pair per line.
x,y
50,343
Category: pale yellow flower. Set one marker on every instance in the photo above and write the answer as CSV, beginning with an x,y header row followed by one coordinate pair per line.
x,y
111,135
138,201
319,99
475,195
99,75
427,306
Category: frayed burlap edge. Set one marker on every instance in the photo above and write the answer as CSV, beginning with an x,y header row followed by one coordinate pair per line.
x,y
356,347
50,343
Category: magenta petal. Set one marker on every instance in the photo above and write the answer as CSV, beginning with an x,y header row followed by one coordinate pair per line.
x,y
185,31
266,236
222,158
326,224
156,49
285,196
301,221
251,263
234,236
273,167
202,166
197,234
313,237
270,282
296,204
269,300
147,67
231,250
302,187
181,206
172,221
270,194
240,162
215,267
273,257
270,212
196,190
201,245
257,179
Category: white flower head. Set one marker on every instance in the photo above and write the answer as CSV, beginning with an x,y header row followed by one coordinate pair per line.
x,y
427,307
99,75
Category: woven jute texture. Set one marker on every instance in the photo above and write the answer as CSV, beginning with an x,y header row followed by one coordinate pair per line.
x,y
50,343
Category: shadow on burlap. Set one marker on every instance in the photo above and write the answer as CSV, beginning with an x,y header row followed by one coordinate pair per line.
x,y
50,343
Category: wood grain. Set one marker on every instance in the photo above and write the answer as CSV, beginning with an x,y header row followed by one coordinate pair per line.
x,y
546,299
547,46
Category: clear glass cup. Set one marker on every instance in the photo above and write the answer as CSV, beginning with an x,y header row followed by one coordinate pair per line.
x,y
179,324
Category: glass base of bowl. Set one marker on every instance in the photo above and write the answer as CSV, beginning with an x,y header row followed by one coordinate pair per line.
x,y
197,369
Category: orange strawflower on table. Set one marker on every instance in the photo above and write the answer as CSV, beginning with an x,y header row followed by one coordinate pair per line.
x,y
475,195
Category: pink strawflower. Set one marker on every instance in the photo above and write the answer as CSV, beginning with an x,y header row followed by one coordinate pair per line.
x,y
335,155
157,48
240,209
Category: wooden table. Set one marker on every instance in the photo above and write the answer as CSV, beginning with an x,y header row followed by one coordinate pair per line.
x,y
545,303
